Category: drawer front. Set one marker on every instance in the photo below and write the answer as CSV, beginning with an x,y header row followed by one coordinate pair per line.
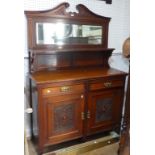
x,y
106,84
63,90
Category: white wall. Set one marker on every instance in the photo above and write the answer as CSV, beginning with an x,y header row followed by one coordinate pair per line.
x,y
118,29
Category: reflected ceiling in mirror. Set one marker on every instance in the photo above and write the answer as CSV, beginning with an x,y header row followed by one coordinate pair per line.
x,y
60,34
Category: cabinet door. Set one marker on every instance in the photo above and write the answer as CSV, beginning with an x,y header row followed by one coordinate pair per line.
x,y
104,110
63,118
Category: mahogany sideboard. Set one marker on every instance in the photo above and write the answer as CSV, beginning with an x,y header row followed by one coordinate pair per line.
x,y
78,94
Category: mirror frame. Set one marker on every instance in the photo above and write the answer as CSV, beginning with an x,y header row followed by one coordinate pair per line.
x,y
60,14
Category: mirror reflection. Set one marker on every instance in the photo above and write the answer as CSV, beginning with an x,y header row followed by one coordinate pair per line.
x,y
60,33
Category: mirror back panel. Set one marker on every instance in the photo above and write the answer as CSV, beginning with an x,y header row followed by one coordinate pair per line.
x,y
58,29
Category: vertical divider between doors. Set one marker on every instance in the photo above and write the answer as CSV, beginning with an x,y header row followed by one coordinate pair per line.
x,y
85,125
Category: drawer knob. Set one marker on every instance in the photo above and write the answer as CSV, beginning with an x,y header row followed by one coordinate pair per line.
x,y
64,88
82,96
108,84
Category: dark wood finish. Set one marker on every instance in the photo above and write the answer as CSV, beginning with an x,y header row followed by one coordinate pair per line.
x,y
59,13
78,94
77,86
104,84
52,60
58,58
125,135
63,118
45,77
104,110
63,90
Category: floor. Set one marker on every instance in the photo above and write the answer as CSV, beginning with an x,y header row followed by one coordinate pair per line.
x,y
95,147
107,150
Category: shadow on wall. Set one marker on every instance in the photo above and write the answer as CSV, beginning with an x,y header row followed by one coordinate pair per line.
x,y
118,61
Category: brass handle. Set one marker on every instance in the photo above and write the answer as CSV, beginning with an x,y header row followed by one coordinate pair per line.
x,y
108,84
82,116
88,114
64,88
82,96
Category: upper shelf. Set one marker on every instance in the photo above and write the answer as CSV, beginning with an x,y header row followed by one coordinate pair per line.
x,y
63,50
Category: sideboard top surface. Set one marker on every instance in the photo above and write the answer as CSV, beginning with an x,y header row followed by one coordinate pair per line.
x,y
42,77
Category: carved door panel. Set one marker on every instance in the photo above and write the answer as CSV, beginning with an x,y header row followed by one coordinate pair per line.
x,y
63,118
104,110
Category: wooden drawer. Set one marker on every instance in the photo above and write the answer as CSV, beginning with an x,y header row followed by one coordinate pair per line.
x,y
66,89
106,84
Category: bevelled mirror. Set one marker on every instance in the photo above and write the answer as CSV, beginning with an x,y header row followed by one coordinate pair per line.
x,y
62,33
